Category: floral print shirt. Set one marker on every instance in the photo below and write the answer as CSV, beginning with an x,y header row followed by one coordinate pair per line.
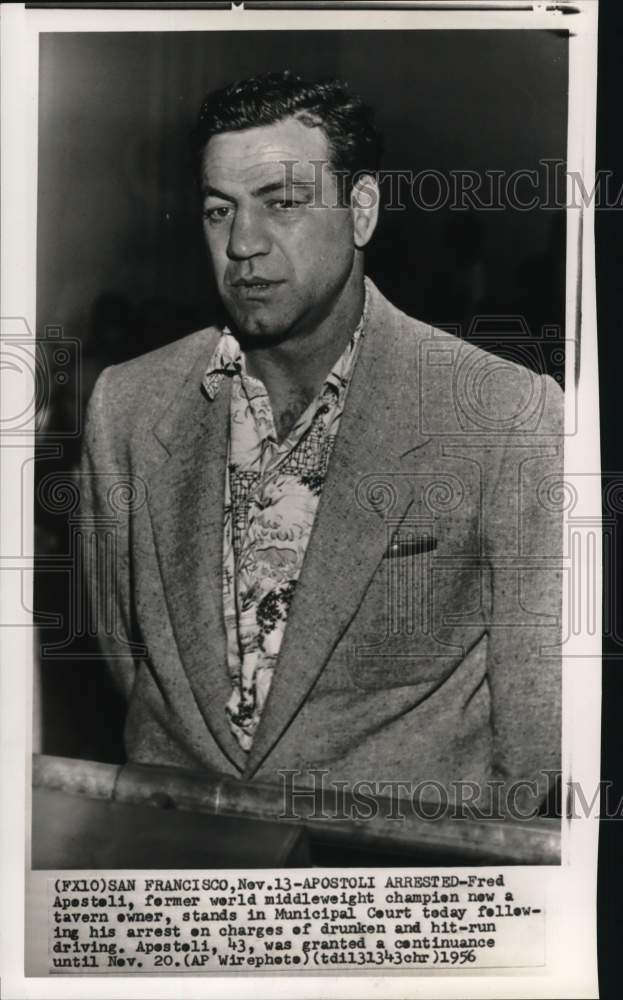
x,y
272,491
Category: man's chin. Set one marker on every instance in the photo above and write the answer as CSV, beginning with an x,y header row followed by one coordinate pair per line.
x,y
259,325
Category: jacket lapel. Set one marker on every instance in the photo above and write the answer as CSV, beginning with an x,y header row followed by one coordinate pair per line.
x,y
362,489
186,498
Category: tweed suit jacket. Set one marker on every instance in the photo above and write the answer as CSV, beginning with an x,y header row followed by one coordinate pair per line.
x,y
423,639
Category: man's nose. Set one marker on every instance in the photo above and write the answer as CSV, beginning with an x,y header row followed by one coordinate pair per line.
x,y
247,236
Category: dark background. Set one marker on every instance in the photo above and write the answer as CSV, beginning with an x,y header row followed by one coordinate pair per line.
x,y
121,263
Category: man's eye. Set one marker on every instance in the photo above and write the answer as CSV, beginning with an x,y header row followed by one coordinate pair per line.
x,y
286,203
216,215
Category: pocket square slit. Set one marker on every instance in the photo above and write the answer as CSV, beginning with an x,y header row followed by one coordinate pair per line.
x,y
414,546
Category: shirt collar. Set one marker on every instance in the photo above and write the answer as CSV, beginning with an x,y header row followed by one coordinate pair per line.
x,y
228,360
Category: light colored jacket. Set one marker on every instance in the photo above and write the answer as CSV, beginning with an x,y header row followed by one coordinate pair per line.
x,y
422,642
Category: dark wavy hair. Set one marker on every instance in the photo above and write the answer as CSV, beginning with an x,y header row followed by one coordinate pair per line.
x,y
355,145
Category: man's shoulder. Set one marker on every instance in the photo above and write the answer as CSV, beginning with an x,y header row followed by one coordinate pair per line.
x,y
447,348
463,382
415,339
382,313
173,361
151,378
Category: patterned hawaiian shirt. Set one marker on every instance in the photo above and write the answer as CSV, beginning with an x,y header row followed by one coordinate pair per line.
x,y
272,491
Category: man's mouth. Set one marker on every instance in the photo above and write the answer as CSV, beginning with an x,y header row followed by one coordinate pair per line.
x,y
255,282
256,289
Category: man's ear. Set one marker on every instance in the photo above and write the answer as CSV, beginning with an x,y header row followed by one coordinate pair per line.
x,y
364,201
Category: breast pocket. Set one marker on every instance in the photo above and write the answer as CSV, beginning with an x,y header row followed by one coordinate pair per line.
x,y
398,636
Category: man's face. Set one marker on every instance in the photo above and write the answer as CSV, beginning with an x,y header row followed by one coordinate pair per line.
x,y
281,251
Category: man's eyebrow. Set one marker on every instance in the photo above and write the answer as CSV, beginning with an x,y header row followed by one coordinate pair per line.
x,y
280,186
270,188
212,192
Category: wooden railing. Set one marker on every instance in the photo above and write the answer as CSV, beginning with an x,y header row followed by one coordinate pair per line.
x,y
465,840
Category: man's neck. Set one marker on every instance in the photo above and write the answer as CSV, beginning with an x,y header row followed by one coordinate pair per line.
x,y
298,366
294,370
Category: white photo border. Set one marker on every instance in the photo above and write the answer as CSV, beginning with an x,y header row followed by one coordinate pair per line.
x,y
571,887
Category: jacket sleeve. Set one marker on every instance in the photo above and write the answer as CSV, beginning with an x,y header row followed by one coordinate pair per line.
x,y
108,493
524,542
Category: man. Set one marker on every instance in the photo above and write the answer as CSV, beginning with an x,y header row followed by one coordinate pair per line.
x,y
342,547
